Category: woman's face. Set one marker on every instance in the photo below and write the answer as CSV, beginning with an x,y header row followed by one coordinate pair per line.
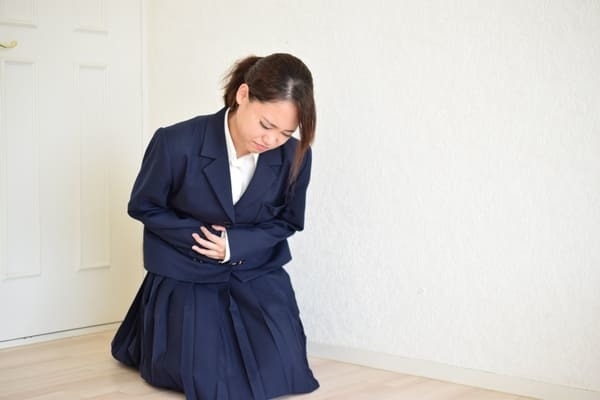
x,y
257,126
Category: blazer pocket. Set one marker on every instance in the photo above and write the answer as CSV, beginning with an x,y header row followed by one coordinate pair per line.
x,y
270,210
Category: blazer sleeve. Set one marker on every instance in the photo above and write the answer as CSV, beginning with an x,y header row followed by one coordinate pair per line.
x,y
149,196
245,242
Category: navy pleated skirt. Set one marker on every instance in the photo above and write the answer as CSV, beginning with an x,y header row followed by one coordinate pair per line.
x,y
217,341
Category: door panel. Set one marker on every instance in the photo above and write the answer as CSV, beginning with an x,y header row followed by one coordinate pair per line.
x,y
70,146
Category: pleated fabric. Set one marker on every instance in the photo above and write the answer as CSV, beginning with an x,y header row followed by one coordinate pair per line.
x,y
217,341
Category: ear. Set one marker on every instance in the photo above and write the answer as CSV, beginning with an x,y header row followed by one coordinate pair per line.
x,y
243,94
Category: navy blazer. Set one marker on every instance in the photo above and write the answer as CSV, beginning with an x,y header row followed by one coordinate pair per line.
x,y
184,183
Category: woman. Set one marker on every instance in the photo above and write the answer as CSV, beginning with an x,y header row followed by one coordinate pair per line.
x,y
216,316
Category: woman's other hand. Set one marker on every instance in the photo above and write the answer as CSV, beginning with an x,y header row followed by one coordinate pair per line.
x,y
213,246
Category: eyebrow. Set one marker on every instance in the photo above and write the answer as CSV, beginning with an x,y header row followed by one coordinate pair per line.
x,y
276,127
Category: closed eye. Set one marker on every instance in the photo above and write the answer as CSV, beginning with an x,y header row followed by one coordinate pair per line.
x,y
287,134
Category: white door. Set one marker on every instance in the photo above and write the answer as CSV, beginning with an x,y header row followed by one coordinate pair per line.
x,y
70,145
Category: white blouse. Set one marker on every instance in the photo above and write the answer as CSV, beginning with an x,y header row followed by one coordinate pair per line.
x,y
241,170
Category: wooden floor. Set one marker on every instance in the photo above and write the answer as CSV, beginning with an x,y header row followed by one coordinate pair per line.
x,y
82,368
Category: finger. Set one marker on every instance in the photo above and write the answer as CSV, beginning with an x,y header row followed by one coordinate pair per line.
x,y
205,243
209,235
219,228
209,253
212,237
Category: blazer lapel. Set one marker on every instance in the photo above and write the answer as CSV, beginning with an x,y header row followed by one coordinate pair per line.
x,y
266,173
217,171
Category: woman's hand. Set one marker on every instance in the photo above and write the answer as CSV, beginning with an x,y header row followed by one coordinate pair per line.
x,y
213,246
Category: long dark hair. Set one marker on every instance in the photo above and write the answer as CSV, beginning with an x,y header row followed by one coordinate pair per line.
x,y
278,77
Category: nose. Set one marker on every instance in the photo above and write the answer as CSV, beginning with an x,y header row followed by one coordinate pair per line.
x,y
269,139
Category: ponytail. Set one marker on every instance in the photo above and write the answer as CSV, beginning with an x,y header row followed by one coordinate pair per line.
x,y
235,77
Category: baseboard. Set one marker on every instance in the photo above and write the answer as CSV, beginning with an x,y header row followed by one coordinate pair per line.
x,y
449,373
59,335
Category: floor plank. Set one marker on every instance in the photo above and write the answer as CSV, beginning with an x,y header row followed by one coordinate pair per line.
x,y
82,368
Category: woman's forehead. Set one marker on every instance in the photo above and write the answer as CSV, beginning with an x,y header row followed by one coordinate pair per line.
x,y
281,113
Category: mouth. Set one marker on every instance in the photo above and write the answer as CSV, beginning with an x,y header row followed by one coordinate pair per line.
x,y
260,147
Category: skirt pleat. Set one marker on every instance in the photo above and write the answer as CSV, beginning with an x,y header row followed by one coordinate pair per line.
x,y
217,341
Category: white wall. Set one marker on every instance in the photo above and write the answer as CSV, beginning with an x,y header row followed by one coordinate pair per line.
x,y
454,211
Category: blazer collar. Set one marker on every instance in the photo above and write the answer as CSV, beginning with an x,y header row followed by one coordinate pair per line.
x,y
214,138
265,175
217,171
